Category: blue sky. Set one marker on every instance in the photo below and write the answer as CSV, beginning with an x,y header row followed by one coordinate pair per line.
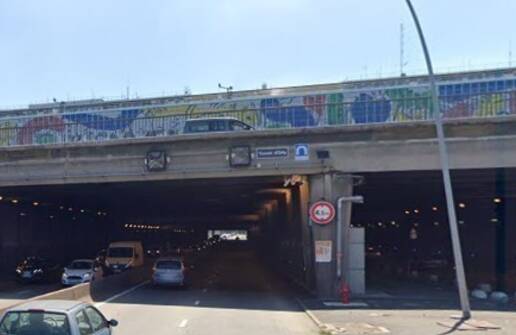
x,y
96,48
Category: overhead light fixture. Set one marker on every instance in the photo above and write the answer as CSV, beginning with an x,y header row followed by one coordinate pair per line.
x,y
35,203
416,210
407,212
156,160
434,208
462,205
1,198
14,201
323,154
240,156
497,200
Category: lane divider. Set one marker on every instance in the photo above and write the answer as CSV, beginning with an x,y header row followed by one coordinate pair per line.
x,y
121,294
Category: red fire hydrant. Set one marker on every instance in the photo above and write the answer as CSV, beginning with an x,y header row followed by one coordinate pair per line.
x,y
345,292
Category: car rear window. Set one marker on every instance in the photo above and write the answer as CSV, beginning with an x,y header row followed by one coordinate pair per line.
x,y
120,252
170,265
41,323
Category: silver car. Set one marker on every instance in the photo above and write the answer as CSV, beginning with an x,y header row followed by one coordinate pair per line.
x,y
169,271
55,317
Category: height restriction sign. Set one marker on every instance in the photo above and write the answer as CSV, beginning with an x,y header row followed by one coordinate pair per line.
x,y
322,212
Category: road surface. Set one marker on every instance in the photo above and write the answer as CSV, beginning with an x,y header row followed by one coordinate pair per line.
x,y
231,293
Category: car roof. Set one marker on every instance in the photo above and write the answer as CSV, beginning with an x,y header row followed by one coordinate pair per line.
x,y
124,243
169,258
48,305
83,260
229,118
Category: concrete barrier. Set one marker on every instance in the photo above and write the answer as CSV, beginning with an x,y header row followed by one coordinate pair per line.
x,y
97,291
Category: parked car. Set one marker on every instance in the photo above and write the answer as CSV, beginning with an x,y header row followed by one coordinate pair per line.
x,y
169,271
55,317
81,271
220,124
124,255
37,269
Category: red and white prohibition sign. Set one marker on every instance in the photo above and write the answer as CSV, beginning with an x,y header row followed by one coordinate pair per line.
x,y
322,212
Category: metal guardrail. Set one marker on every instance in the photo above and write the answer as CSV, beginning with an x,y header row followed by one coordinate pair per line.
x,y
85,127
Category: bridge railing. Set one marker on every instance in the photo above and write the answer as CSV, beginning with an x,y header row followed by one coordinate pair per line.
x,y
101,126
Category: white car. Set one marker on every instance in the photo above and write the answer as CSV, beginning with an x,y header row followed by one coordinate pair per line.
x,y
81,271
55,317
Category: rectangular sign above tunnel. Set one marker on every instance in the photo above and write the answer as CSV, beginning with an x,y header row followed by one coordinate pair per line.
x,y
270,153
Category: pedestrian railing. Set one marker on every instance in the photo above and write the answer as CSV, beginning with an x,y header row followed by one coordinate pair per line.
x,y
91,126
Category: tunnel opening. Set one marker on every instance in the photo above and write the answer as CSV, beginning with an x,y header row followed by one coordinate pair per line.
x,y
252,221
407,245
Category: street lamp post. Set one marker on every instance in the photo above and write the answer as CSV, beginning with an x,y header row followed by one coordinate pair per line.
x,y
450,204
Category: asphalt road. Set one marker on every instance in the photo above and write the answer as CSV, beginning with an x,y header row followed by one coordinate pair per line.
x,y
231,292
12,292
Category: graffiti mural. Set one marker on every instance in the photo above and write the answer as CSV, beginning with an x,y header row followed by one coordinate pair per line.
x,y
400,100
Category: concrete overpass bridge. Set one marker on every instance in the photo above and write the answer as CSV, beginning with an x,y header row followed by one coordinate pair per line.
x,y
110,173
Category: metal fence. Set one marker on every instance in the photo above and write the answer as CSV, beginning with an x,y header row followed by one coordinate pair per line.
x,y
84,127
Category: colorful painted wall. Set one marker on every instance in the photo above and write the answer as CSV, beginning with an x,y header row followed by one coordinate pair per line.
x,y
467,98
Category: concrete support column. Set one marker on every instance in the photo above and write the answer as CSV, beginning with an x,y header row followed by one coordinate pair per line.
x,y
505,250
330,187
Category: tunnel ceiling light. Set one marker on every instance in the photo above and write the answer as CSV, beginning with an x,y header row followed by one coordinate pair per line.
x,y
416,210
22,214
494,220
461,221
1,198
434,208
14,201
407,212
70,209
462,205
51,217
497,200
61,207
436,223
240,156
35,203
82,210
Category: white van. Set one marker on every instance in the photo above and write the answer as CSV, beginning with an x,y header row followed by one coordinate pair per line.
x,y
123,255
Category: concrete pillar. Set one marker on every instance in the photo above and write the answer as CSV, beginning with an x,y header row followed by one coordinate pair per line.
x,y
306,235
330,187
505,250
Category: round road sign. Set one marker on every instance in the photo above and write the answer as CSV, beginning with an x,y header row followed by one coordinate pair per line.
x,y
322,212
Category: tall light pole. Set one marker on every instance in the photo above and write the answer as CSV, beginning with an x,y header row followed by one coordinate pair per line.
x,y
450,203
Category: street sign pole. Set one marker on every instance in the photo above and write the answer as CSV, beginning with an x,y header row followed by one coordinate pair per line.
x,y
450,203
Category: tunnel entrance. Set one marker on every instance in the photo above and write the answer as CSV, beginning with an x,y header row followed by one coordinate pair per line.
x,y
258,219
408,248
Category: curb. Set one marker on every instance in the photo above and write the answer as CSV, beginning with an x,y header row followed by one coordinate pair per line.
x,y
311,315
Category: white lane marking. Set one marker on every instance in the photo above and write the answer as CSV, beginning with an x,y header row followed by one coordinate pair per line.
x,y
197,302
183,323
116,296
